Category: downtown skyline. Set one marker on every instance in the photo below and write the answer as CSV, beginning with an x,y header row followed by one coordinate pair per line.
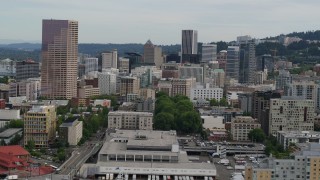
x,y
161,21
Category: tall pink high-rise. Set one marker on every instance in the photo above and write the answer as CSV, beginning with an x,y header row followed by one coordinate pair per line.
x,y
59,59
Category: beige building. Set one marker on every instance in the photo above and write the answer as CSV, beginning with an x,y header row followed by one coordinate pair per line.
x,y
110,59
71,130
218,76
291,113
123,65
152,54
182,86
40,125
146,93
129,85
165,86
59,68
88,91
241,126
130,120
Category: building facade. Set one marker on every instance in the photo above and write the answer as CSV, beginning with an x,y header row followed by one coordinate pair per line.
x,y
107,83
247,63
291,113
209,52
241,126
71,130
189,71
129,85
29,88
303,166
152,54
124,65
182,86
130,120
110,59
59,68
40,126
232,64
27,69
206,92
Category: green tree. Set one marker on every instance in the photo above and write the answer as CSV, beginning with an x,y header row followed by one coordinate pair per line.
x,y
61,154
2,142
189,122
223,102
164,121
30,145
214,102
161,93
15,140
15,124
257,135
184,106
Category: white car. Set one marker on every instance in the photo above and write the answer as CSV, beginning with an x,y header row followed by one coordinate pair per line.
x,y
230,167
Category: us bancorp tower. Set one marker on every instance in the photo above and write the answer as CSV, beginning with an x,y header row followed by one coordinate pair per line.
x,y
145,154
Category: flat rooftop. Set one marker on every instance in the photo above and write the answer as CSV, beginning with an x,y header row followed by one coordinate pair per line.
x,y
9,132
140,139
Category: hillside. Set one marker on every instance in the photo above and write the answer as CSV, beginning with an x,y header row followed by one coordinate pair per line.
x,y
22,51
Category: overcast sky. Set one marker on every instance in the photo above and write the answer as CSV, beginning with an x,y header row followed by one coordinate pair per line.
x,y
136,21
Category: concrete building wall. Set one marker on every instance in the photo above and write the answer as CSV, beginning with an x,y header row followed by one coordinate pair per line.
x,y
130,120
289,113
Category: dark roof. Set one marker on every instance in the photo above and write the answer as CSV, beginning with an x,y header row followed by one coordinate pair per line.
x,y
70,119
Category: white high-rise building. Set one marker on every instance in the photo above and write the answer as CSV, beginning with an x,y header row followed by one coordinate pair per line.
x,y
107,83
110,59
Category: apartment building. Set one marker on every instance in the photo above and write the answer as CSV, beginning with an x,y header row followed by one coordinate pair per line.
x,y
40,125
304,166
130,120
71,130
241,126
291,113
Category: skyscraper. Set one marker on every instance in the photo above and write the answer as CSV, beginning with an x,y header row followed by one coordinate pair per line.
x,y
232,65
189,46
247,62
59,59
189,42
152,54
209,52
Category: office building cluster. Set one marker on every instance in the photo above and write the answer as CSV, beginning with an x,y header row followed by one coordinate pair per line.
x,y
234,90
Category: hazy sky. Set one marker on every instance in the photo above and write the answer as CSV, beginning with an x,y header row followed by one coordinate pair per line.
x,y
136,21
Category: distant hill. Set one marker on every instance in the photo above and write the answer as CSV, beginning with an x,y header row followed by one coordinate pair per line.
x,y
22,51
